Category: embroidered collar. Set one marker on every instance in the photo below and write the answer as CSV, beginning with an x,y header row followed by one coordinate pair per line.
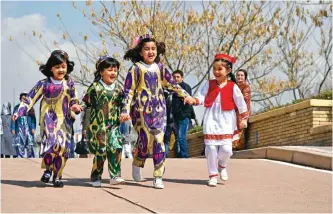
x,y
56,81
108,87
151,67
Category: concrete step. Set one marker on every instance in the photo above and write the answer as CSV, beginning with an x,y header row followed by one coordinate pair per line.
x,y
317,157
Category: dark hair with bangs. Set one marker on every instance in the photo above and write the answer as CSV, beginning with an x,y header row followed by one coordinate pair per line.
x,y
57,57
104,62
228,65
134,53
244,71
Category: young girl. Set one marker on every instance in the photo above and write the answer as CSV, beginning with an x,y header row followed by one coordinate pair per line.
x,y
220,97
58,100
144,101
104,99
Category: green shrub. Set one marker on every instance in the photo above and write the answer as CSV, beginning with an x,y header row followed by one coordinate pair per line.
x,y
325,95
195,129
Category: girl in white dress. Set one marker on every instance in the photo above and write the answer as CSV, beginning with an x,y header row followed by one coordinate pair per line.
x,y
221,96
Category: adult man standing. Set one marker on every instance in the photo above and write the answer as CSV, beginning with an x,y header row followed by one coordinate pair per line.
x,y
182,114
169,126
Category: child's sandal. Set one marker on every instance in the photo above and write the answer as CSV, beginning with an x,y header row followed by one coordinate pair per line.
x,y
58,183
46,176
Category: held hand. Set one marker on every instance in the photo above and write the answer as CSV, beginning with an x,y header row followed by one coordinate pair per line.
x,y
13,132
76,108
189,100
124,117
33,131
243,124
14,117
72,115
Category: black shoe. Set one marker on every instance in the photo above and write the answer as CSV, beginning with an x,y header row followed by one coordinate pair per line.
x,y
58,183
46,176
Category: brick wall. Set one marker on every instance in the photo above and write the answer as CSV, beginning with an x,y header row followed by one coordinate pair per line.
x,y
195,145
293,125
305,123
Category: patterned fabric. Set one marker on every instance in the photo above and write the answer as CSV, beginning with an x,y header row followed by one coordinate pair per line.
x,y
105,139
246,91
55,121
23,138
145,102
7,147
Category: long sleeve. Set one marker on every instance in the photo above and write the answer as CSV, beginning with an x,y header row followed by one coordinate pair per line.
x,y
12,122
202,94
86,100
34,95
170,84
129,89
73,94
247,97
32,122
86,103
240,102
120,100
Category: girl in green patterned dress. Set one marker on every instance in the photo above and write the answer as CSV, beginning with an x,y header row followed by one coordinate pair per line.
x,y
104,100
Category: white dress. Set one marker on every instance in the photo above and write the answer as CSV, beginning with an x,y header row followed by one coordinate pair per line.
x,y
220,127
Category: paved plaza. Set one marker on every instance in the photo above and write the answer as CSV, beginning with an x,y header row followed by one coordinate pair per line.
x,y
254,186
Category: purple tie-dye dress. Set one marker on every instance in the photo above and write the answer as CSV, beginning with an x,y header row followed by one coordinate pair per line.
x,y
55,121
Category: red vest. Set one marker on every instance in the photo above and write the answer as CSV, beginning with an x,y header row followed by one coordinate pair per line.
x,y
226,94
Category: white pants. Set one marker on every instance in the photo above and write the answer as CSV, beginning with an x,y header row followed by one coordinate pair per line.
x,y
221,153
127,151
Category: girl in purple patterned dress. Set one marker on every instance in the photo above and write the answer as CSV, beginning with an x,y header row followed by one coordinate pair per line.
x,y
58,100
145,104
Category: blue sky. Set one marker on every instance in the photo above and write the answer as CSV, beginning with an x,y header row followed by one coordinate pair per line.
x,y
18,71
74,20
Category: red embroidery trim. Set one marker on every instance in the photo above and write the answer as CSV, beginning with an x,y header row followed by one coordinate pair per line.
x,y
244,115
217,136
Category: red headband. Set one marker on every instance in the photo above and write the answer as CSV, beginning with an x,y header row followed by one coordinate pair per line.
x,y
226,57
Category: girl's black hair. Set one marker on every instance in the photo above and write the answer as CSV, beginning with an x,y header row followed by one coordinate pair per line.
x,y
244,71
57,57
229,65
134,53
103,63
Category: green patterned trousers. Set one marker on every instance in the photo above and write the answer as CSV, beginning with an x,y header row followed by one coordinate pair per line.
x,y
111,150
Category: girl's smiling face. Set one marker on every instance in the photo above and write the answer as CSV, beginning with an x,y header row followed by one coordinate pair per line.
x,y
59,71
220,70
109,75
149,52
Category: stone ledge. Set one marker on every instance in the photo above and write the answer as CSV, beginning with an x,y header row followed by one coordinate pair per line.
x,y
314,158
291,108
258,153
321,129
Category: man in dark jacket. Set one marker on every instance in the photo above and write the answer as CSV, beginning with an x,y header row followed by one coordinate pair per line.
x,y
169,126
182,115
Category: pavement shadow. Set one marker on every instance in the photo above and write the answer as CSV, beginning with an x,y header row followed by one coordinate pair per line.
x,y
30,184
139,184
173,180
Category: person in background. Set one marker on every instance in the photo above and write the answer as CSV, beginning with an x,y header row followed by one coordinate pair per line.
x,y
23,130
7,148
182,114
241,77
169,125
126,129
